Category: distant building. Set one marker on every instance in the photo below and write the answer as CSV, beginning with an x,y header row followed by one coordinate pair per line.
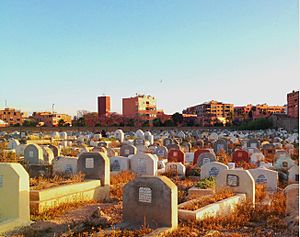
x,y
293,104
162,116
241,113
265,111
12,116
252,112
140,107
103,106
51,119
212,112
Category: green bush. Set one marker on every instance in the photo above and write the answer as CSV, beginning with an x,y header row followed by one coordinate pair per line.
x,y
206,183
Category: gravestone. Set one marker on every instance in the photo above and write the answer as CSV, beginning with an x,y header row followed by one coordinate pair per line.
x,y
139,134
240,156
220,146
212,169
280,153
257,157
294,174
33,154
12,144
189,157
240,181
161,152
205,158
119,163
181,135
284,163
149,137
55,150
213,137
176,156
167,142
48,155
111,152
65,164
63,135
150,201
197,153
139,142
20,149
173,146
200,143
141,148
265,176
186,146
119,135
144,164
97,137
253,143
127,150
14,198
175,167
95,165
292,199
152,149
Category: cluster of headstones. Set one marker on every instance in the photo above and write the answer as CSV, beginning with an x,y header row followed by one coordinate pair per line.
x,y
148,155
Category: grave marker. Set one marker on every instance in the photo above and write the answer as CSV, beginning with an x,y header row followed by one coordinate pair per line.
x,y
145,197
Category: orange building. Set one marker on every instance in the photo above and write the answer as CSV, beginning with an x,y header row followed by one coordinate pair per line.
x,y
140,107
51,119
293,104
12,116
265,111
103,106
212,112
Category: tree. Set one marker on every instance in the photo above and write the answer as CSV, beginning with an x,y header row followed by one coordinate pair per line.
x,y
157,122
169,123
29,123
61,123
177,118
80,122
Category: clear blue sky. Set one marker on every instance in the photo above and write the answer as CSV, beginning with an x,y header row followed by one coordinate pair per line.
x,y
68,52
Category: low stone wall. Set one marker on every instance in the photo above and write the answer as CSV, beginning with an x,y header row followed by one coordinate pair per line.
x,y
41,200
220,208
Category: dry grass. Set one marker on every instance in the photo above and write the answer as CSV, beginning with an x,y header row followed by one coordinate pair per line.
x,y
117,182
9,157
246,220
223,157
54,212
206,200
260,192
67,151
43,183
246,165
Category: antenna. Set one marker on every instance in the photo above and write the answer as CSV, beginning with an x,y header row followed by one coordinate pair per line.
x,y
5,103
53,108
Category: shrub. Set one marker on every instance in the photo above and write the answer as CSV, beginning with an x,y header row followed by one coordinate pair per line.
x,y
206,183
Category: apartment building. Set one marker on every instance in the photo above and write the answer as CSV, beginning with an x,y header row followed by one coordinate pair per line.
x,y
212,112
51,119
12,116
293,104
141,107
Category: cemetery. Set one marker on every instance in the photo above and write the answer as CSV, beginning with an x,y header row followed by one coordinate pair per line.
x,y
150,183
